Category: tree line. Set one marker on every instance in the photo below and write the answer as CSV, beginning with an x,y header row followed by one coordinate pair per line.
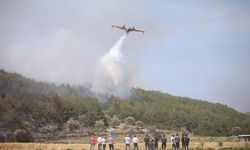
x,y
39,107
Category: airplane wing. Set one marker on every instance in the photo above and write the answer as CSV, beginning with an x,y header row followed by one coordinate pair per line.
x,y
120,27
137,30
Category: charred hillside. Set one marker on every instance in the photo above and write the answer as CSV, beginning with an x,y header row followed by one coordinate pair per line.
x,y
40,107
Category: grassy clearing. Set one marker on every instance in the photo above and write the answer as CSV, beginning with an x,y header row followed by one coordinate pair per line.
x,y
119,138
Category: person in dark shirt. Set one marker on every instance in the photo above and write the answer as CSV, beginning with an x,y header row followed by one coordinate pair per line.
x,y
163,142
186,141
182,141
146,141
156,142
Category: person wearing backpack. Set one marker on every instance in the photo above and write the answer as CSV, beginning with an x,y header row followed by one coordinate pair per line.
x,y
163,142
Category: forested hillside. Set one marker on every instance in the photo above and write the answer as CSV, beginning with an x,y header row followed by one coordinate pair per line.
x,y
38,107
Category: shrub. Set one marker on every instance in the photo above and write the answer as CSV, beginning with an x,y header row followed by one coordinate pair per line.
x,y
48,129
236,130
99,125
220,144
72,124
139,124
115,121
130,121
22,136
82,119
9,137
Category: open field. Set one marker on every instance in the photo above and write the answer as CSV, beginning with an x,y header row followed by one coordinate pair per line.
x,y
118,146
119,138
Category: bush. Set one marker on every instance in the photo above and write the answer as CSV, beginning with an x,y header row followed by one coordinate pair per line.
x,y
9,137
139,124
115,121
72,124
130,121
236,130
82,119
99,125
48,129
22,136
220,144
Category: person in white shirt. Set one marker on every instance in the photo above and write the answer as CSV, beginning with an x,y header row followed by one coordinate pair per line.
x,y
172,142
135,141
127,142
99,142
104,143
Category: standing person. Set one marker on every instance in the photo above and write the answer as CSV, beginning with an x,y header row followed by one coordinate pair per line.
x,y
163,142
104,142
127,142
182,141
172,142
146,141
92,142
135,141
177,141
156,142
111,143
99,142
152,144
186,141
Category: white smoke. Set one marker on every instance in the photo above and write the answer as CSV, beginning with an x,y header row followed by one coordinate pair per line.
x,y
114,76
113,61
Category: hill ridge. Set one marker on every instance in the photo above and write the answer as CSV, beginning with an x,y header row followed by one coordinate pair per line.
x,y
33,106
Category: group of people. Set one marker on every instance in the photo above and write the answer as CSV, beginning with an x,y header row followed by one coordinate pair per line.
x,y
101,141
175,142
150,143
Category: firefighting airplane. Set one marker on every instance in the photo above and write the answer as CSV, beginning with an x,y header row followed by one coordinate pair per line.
x,y
127,29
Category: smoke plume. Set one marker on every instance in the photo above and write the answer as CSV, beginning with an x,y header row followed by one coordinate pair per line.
x,y
114,78
113,62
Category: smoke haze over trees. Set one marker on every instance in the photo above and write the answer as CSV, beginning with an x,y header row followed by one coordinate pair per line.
x,y
39,107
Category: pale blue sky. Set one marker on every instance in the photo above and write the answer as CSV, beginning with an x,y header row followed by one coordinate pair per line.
x,y
194,48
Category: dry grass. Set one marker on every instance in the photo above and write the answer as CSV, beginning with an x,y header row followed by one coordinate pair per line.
x,y
118,146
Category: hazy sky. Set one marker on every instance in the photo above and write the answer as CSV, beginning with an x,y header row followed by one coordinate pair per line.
x,y
193,48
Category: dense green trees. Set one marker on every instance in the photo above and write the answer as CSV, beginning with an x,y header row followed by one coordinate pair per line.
x,y
39,107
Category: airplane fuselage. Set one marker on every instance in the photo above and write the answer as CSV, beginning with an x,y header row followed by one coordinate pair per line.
x,y
127,29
